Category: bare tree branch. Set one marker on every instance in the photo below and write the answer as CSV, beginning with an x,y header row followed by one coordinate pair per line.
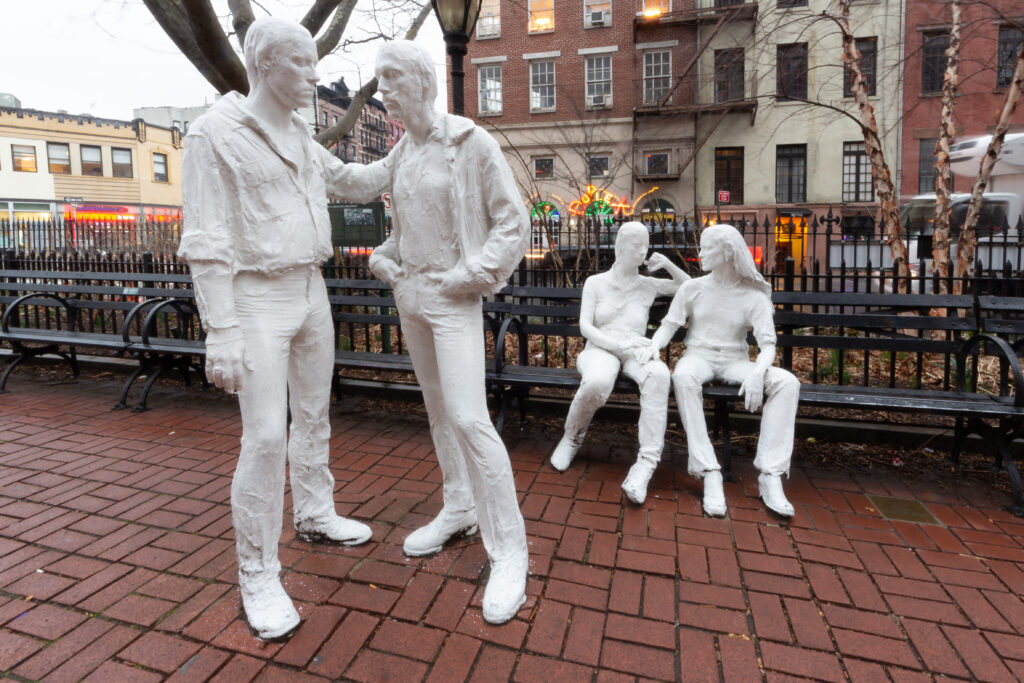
x,y
329,40
317,15
172,17
241,19
214,45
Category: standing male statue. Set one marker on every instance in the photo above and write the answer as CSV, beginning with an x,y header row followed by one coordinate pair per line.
x,y
718,309
459,230
613,318
256,230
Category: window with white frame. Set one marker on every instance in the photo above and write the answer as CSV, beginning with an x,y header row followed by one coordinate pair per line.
x,y
544,168
599,81
542,85
597,13
489,23
542,16
490,89
159,167
599,165
657,75
656,163
656,7
59,154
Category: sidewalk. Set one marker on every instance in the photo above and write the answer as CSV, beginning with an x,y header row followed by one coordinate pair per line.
x,y
117,564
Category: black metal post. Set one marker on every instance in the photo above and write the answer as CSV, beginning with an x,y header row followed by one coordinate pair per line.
x,y
456,42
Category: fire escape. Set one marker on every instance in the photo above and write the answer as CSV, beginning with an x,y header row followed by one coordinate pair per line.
x,y
705,98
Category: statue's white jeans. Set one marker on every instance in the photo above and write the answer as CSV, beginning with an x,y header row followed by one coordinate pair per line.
x,y
446,342
778,417
599,369
288,333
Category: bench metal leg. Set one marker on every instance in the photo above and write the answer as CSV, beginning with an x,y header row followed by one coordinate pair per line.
x,y
123,403
145,391
10,368
959,439
722,422
1016,505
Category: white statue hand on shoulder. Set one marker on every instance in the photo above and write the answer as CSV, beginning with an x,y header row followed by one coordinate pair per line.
x,y
385,269
225,358
656,262
752,390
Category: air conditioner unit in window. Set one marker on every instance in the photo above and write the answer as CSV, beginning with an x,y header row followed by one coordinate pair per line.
x,y
597,17
600,100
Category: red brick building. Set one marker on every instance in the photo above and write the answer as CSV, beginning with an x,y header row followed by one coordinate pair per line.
x,y
371,138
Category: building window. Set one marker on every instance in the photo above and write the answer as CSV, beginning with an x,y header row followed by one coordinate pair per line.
x,y
653,8
792,72
599,165
657,76
542,16
599,82
729,172
544,168
656,163
868,48
24,157
122,162
91,163
597,13
489,23
542,85
791,3
159,167
790,174
490,89
926,165
60,157
1010,40
857,186
933,61
729,75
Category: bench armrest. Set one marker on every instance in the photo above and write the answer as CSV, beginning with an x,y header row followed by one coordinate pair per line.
x,y
1004,351
136,309
5,322
182,306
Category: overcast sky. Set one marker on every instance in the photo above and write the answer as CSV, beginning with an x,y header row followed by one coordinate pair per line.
x,y
107,57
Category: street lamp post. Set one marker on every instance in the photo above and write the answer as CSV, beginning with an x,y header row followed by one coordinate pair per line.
x,y
457,19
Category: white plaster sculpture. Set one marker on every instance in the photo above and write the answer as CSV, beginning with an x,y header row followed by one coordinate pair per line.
x,y
718,309
256,230
459,230
613,318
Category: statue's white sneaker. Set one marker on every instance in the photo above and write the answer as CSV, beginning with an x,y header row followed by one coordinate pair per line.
x,y
268,608
506,589
430,538
769,486
714,494
564,452
635,484
333,529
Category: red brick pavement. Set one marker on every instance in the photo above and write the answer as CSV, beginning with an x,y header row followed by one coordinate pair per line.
x,y
117,563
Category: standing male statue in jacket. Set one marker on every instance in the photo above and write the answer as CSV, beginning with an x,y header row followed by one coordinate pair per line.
x,y
459,230
256,230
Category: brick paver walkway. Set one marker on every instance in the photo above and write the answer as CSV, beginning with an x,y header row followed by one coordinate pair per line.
x,y
117,564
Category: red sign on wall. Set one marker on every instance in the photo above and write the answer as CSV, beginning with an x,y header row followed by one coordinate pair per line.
x,y
723,196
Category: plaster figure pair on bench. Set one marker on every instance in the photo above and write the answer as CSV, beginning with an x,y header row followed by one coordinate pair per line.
x,y
717,309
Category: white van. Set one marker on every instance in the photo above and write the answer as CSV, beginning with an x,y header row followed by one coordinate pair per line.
x,y
997,238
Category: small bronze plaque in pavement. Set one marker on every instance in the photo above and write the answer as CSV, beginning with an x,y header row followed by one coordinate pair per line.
x,y
903,510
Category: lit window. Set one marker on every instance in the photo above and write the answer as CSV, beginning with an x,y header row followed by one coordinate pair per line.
x,y
159,167
60,157
657,76
24,158
91,164
490,89
542,16
544,167
542,85
599,166
656,163
653,8
489,23
599,82
597,12
857,185
122,162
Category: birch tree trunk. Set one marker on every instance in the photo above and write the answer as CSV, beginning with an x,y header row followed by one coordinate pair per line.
x,y
950,83
968,238
884,188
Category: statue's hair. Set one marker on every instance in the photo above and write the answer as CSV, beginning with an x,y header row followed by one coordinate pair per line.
x,y
264,37
630,229
737,254
417,59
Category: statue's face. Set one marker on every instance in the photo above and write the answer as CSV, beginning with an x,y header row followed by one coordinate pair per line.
x,y
291,76
400,90
712,253
632,249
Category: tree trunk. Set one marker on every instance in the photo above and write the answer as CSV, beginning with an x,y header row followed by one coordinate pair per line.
x,y
950,83
966,243
884,188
